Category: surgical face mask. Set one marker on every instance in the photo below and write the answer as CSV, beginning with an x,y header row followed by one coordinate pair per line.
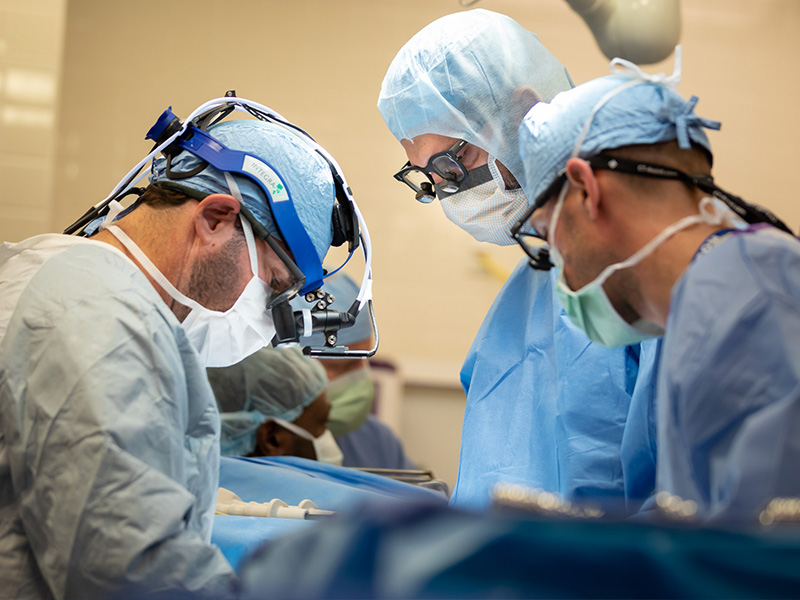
x,y
589,307
325,446
351,396
220,338
487,210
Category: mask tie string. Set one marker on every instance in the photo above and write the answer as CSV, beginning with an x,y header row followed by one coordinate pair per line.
x,y
621,66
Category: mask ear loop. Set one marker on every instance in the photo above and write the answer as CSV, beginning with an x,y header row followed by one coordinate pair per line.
x,y
709,211
246,227
557,259
153,270
650,246
298,431
114,208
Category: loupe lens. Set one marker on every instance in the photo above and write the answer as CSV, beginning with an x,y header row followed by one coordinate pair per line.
x,y
447,168
448,185
415,179
284,295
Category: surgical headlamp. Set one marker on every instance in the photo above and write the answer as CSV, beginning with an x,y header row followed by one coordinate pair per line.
x,y
171,137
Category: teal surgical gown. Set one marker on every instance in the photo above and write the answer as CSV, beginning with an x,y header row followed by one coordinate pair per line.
x,y
549,409
109,432
729,385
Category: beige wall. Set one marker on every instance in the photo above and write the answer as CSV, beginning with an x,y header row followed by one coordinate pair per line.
x,y
320,63
31,48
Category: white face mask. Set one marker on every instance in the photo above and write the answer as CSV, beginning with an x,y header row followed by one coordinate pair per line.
x,y
220,338
325,446
487,211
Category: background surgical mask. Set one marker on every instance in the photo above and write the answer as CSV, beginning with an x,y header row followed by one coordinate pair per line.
x,y
351,396
487,211
325,446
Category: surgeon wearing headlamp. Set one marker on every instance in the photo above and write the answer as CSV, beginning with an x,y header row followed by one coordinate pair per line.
x,y
109,447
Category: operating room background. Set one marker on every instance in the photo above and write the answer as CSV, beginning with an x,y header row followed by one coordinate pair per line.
x,y
81,81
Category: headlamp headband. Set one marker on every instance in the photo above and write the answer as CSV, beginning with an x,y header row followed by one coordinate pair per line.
x,y
201,144
172,136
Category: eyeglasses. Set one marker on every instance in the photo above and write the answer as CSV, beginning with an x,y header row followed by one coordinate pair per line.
x,y
443,164
524,232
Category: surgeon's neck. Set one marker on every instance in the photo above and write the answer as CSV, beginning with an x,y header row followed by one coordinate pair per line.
x,y
659,272
166,242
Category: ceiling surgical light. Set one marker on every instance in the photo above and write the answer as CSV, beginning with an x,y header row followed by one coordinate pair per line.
x,y
641,31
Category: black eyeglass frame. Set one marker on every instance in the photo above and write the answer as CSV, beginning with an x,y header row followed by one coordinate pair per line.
x,y
453,178
539,255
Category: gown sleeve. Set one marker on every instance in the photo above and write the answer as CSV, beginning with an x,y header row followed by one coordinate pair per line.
x,y
114,448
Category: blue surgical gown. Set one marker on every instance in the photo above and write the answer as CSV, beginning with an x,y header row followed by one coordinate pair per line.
x,y
373,445
109,432
549,409
729,385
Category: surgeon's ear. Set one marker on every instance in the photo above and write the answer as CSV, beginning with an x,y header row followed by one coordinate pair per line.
x,y
272,440
524,97
214,214
581,178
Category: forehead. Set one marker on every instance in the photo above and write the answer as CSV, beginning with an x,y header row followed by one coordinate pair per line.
x,y
319,408
420,148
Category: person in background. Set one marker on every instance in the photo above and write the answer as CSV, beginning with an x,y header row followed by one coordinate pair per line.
x,y
619,174
109,433
365,440
562,414
273,403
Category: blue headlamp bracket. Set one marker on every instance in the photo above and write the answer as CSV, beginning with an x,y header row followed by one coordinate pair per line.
x,y
171,136
275,189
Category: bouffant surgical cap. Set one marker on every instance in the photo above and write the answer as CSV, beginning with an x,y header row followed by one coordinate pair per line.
x,y
307,175
272,383
470,75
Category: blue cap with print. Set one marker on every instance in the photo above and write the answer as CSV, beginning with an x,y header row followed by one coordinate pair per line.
x,y
307,175
630,110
